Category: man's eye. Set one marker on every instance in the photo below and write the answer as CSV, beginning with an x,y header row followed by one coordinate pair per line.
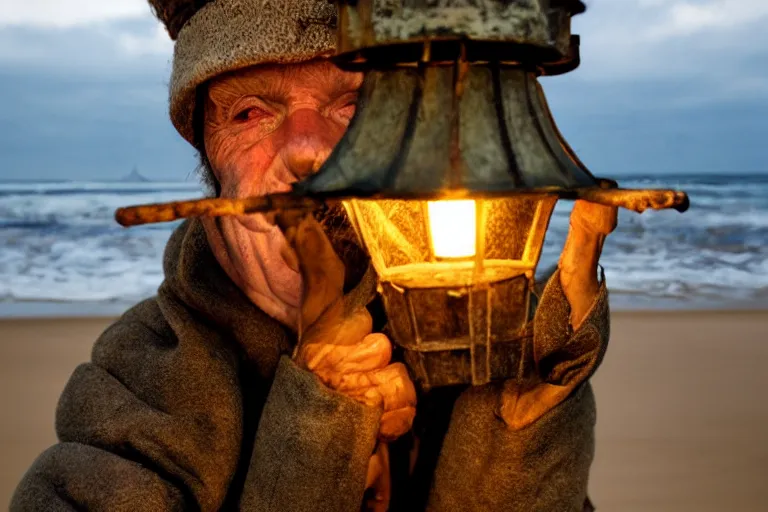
x,y
250,113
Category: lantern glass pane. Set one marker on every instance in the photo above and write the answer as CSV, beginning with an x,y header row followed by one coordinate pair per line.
x,y
508,227
506,234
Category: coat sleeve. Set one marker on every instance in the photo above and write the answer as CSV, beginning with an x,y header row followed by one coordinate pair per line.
x,y
312,448
313,445
152,423
559,359
488,464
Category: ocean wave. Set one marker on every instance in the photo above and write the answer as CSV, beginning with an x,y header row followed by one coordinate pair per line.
x,y
76,208
60,242
58,188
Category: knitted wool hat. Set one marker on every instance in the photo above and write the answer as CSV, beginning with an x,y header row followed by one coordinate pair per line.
x,y
217,36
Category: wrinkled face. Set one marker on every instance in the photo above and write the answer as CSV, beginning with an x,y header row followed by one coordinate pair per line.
x,y
265,128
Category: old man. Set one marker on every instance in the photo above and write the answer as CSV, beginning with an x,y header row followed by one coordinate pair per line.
x,y
199,399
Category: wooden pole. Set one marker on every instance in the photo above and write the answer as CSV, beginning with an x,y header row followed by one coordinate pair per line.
x,y
635,200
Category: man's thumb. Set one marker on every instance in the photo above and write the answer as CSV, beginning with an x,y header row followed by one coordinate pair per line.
x,y
321,268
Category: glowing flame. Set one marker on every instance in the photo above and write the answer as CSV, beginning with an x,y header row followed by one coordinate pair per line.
x,y
453,228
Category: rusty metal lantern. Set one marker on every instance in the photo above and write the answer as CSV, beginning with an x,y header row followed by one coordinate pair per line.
x,y
455,164
449,171
455,232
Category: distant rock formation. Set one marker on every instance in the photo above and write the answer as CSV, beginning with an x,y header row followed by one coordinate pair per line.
x,y
135,176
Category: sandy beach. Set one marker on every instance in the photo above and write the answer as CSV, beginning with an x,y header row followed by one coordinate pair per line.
x,y
683,420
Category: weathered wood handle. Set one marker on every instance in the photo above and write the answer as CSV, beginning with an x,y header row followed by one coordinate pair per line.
x,y
635,200
168,212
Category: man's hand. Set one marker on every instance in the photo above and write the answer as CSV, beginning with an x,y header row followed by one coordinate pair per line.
x,y
520,407
335,339
590,224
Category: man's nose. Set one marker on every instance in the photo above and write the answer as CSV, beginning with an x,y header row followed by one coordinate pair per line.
x,y
309,138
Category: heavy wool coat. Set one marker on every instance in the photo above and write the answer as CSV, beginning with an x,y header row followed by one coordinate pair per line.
x,y
190,403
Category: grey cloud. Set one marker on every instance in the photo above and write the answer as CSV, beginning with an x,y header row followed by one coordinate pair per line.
x,y
49,13
94,49
635,40
634,128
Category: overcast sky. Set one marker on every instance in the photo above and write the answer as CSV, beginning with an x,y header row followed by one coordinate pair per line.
x,y
664,86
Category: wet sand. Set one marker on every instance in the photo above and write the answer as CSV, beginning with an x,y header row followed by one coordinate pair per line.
x,y
683,413
682,416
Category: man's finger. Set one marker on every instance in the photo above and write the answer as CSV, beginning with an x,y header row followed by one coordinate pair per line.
x,y
321,268
342,363
337,327
375,469
396,423
395,387
378,479
372,353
